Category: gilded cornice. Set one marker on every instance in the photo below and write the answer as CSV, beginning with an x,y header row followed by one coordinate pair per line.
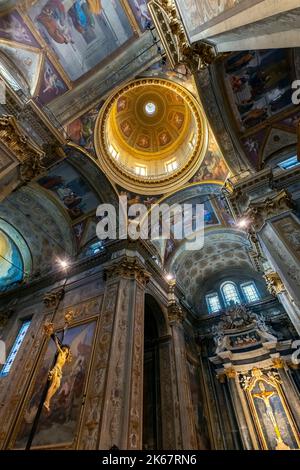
x,y
174,38
28,154
274,283
128,268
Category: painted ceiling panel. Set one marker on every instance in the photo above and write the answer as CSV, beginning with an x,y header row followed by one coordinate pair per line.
x,y
81,34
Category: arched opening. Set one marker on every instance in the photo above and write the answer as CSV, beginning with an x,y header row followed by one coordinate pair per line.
x,y
152,413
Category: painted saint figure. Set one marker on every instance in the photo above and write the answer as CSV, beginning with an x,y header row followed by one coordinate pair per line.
x,y
55,375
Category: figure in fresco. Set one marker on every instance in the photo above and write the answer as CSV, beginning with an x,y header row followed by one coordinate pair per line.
x,y
14,29
52,82
55,375
53,18
142,12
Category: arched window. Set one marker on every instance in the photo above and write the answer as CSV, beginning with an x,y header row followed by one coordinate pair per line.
x,y
14,350
213,303
250,292
230,293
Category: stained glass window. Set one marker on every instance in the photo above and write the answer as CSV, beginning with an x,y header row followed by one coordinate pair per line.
x,y
231,295
14,350
213,303
250,292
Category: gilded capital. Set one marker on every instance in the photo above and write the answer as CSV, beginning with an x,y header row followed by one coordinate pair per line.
x,y
176,313
19,145
230,373
278,363
129,268
274,283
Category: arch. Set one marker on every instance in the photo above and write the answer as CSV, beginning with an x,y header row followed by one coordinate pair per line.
x,y
230,293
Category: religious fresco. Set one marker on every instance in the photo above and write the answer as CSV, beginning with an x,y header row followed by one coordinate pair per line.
x,y
82,33
71,189
141,13
81,130
52,85
258,84
195,13
11,264
213,167
13,27
58,426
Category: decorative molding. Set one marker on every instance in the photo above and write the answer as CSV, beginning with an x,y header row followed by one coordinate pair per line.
x,y
278,363
52,299
128,268
27,153
174,38
274,283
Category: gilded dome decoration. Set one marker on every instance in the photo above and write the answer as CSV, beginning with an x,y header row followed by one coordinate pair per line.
x,y
151,136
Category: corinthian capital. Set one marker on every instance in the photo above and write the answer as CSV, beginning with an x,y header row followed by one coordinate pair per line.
x,y
175,313
129,268
260,212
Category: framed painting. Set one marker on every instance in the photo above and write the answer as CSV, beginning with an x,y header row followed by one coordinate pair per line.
x,y
58,426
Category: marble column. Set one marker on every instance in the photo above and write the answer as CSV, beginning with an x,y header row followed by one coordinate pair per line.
x,y
242,414
114,412
186,410
278,231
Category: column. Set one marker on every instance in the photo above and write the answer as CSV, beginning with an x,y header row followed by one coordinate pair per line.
x,y
114,408
242,414
278,231
186,411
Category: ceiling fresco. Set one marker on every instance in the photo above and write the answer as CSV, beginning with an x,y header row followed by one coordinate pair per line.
x,y
200,14
71,190
81,34
141,13
54,43
258,95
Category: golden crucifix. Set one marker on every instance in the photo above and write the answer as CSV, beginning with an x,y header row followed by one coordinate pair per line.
x,y
63,356
266,396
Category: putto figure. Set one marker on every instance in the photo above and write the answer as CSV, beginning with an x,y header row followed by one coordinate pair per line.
x,y
55,375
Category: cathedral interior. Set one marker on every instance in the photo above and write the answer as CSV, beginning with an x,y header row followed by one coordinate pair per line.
x,y
144,343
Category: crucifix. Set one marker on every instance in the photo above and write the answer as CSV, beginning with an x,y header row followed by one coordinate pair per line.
x,y
266,396
62,356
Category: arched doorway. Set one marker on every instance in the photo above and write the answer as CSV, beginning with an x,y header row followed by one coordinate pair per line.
x,y
152,416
